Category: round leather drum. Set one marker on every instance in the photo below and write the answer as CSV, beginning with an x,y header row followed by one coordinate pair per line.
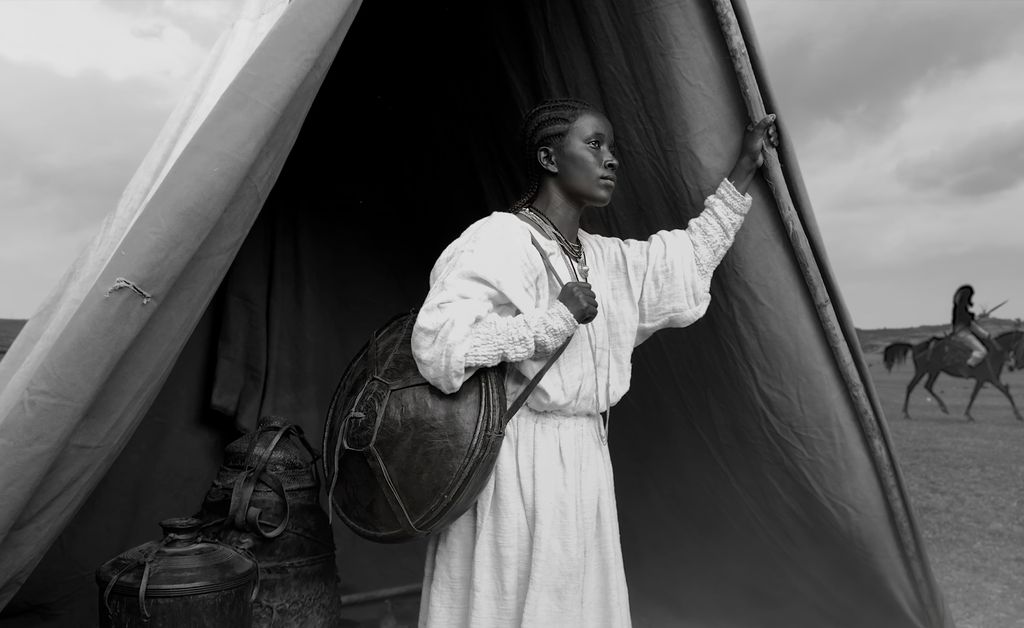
x,y
403,458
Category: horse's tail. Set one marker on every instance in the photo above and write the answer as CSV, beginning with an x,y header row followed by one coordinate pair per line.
x,y
896,353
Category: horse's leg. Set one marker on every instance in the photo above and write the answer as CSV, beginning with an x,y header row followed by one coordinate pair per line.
x,y
928,386
1003,388
978,383
910,387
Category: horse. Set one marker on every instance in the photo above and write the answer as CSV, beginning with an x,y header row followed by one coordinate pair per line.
x,y
948,355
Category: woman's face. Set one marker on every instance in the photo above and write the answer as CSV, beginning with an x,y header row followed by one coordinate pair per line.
x,y
586,161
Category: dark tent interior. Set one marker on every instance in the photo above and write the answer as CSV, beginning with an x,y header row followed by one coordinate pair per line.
x,y
748,492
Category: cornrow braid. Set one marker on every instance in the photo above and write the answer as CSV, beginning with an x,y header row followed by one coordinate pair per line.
x,y
544,125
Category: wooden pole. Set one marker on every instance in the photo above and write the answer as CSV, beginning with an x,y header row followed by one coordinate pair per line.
x,y
868,414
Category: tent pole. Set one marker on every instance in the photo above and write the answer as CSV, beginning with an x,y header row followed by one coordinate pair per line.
x,y
865,403
795,184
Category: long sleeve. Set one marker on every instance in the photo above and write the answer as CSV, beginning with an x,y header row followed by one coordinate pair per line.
x,y
537,334
488,303
667,278
713,231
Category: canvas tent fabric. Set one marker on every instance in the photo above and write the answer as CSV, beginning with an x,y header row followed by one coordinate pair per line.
x,y
302,204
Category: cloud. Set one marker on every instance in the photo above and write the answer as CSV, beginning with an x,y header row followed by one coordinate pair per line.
x,y
95,81
120,40
856,62
907,121
68,147
986,165
204,21
895,255
961,139
71,144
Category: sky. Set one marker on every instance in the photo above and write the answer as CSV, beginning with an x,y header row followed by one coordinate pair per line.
x,y
908,121
906,117
85,87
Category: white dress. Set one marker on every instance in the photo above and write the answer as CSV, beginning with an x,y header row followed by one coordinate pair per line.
x,y
540,547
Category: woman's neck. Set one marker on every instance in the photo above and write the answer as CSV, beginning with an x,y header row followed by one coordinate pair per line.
x,y
560,211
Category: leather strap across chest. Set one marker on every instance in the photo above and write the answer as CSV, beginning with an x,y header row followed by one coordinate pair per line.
x,y
521,399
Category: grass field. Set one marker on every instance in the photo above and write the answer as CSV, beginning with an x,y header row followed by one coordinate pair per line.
x,y
966,483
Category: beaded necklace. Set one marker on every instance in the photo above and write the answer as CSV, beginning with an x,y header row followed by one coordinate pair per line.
x,y
572,250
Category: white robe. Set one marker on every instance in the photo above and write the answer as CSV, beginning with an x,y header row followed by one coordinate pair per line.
x,y
541,545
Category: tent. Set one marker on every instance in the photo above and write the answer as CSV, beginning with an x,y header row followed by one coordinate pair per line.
x,y
296,200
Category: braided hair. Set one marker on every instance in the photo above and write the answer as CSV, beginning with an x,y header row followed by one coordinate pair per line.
x,y
963,294
962,314
544,125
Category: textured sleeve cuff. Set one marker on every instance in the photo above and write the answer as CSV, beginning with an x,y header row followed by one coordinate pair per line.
x,y
499,339
739,203
551,328
713,231
514,339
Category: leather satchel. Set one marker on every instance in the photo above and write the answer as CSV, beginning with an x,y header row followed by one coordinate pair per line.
x,y
405,459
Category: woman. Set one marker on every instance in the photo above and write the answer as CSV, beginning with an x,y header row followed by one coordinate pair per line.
x,y
541,545
966,328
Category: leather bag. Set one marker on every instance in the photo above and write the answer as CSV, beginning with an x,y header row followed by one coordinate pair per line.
x,y
405,459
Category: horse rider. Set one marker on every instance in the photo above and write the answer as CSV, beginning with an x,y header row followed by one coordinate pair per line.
x,y
965,327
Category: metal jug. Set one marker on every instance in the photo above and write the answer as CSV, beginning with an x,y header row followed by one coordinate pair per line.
x,y
181,580
266,498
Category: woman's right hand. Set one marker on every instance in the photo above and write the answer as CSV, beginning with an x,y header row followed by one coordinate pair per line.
x,y
580,300
758,135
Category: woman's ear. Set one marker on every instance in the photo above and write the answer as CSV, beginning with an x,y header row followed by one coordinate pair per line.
x,y
547,160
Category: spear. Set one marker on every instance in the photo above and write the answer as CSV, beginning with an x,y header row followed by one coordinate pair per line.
x,y
987,312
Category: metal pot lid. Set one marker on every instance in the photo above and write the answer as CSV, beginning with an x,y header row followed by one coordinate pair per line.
x,y
182,563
